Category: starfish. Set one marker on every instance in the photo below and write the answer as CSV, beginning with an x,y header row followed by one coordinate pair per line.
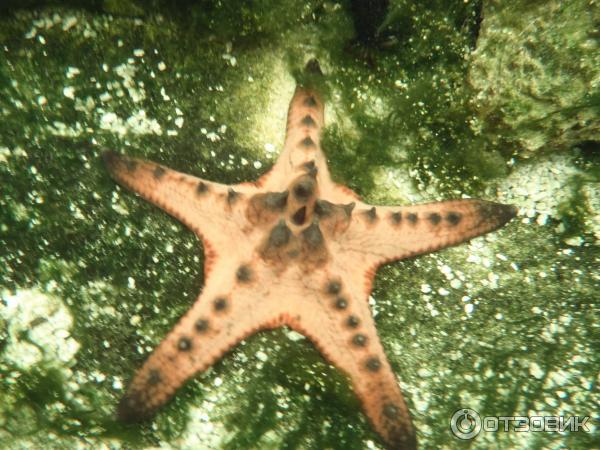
x,y
292,249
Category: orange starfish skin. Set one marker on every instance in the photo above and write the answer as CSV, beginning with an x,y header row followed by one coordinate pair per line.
x,y
293,249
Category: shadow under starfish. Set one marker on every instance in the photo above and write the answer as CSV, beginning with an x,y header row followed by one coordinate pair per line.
x,y
292,249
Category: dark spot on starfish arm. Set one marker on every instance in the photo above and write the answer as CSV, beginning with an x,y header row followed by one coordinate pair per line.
x,y
312,235
334,287
352,321
496,213
130,164
435,218
396,217
412,218
313,66
360,340
391,411
232,196
201,188
133,408
276,201
243,274
110,158
159,172
311,168
371,214
220,304
201,325
349,208
373,364
113,159
310,101
453,218
154,377
323,208
341,303
299,216
184,344
280,234
304,189
309,121
307,142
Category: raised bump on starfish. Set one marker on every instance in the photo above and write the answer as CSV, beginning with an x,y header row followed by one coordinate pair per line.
x,y
292,249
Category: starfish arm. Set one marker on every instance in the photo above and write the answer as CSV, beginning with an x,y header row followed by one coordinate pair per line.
x,y
377,235
302,147
217,321
343,330
212,210
302,142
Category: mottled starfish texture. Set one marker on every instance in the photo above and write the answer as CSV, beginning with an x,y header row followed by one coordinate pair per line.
x,y
292,249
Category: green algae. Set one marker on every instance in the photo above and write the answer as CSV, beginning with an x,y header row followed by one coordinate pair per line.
x,y
537,73
504,325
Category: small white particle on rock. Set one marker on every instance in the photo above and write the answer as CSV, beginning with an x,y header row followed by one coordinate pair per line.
x,y
536,371
423,373
179,122
72,72
257,164
218,381
473,259
104,97
455,283
162,66
69,23
135,320
69,92
425,288
469,308
138,52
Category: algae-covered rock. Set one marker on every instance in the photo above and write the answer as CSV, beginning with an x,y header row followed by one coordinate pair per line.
x,y
537,72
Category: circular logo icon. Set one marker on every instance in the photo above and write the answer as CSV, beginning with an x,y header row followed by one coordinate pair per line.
x,y
465,423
